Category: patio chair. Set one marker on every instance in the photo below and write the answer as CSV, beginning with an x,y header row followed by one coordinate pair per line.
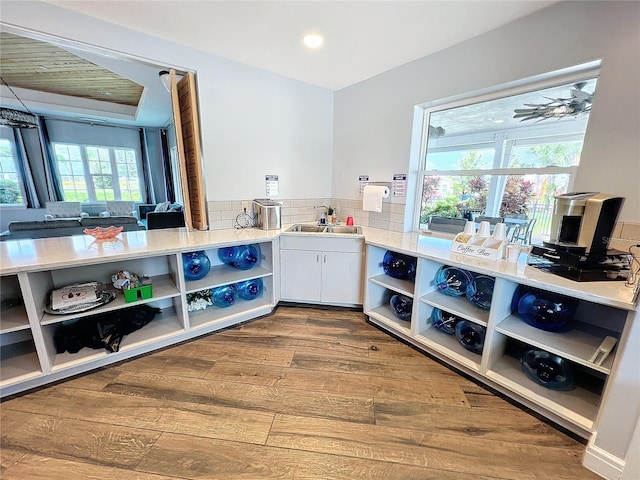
x,y
522,233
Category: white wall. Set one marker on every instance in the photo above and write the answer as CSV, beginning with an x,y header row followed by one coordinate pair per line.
x,y
373,119
253,122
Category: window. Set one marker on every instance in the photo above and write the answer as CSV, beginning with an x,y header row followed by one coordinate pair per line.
x,y
11,182
98,173
508,155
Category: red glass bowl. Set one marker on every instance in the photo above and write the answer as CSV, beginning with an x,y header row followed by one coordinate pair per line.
x,y
102,233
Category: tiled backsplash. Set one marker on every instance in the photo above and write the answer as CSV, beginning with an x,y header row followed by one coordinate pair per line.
x,y
624,235
224,215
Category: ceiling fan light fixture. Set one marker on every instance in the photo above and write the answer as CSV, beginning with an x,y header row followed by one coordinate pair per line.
x,y
313,41
17,119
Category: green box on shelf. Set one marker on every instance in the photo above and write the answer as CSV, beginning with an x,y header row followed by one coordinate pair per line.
x,y
143,293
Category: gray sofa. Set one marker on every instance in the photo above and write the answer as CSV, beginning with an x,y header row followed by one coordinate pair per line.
x,y
65,228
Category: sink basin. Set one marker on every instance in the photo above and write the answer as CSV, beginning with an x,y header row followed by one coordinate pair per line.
x,y
348,229
307,228
345,229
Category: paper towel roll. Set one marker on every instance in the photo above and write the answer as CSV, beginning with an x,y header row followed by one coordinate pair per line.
x,y
372,196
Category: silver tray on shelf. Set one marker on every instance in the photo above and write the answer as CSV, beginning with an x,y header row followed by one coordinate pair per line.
x,y
107,296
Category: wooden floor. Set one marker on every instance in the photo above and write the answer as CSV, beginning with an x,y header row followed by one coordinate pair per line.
x,y
302,394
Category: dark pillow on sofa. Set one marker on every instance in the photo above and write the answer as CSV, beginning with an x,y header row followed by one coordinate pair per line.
x,y
158,220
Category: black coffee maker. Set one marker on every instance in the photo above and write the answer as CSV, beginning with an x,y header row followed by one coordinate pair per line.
x,y
578,246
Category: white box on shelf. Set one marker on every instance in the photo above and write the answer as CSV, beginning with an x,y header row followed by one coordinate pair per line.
x,y
489,248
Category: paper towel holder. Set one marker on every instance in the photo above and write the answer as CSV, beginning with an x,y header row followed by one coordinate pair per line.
x,y
382,184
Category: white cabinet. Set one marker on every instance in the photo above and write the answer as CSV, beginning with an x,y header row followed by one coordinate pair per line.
x,y
507,336
325,270
301,275
29,352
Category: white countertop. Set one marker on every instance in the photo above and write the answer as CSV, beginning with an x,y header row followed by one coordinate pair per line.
x,y
61,252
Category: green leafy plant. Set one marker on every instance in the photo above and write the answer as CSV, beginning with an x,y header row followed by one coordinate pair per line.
x,y
444,208
9,192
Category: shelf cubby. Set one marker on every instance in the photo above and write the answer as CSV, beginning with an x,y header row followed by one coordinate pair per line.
x,y
384,313
449,346
225,275
577,345
14,319
163,287
458,306
405,287
18,362
164,325
578,406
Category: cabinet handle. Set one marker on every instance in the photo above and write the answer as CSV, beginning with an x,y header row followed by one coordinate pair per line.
x,y
325,259
318,258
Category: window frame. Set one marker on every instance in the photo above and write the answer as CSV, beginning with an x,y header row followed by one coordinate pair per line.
x,y
502,149
89,176
8,134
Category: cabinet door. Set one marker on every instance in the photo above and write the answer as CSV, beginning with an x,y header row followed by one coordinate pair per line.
x,y
300,275
342,278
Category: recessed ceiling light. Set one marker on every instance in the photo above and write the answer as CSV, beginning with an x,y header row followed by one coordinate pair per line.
x,y
313,41
498,121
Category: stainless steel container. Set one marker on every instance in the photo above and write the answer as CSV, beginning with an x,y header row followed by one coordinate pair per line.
x,y
266,214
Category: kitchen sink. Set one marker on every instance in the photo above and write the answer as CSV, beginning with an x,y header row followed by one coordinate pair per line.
x,y
307,228
348,229
345,229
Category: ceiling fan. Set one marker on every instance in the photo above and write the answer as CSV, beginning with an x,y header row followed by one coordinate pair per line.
x,y
579,102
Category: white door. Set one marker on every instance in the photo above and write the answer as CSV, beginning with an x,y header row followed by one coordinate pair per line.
x,y
342,278
300,275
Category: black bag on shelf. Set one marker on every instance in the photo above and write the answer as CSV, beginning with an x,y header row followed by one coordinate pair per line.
x,y
105,330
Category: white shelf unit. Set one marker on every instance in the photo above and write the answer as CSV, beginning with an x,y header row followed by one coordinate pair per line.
x,y
29,357
497,366
379,289
164,273
222,274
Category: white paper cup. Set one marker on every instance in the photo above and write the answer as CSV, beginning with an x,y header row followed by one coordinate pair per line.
x,y
470,228
484,230
500,231
513,252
